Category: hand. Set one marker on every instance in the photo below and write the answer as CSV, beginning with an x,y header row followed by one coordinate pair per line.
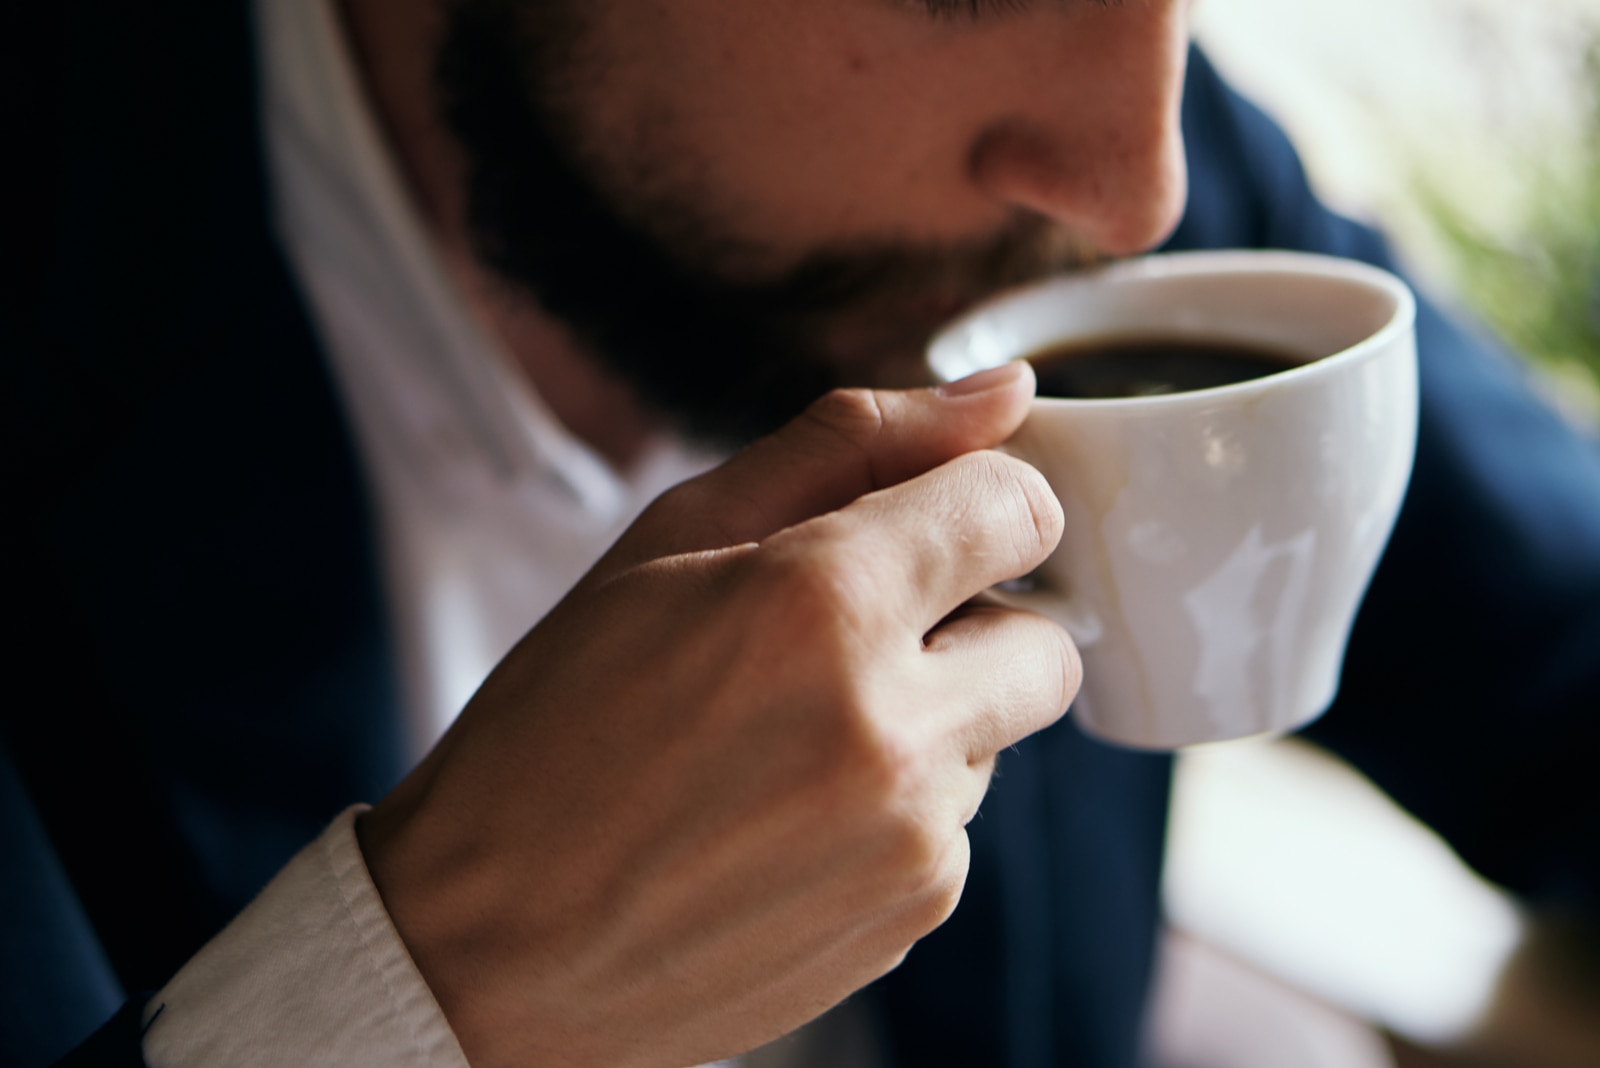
x,y
725,782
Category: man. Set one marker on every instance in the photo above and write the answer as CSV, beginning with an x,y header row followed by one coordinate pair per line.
x,y
491,264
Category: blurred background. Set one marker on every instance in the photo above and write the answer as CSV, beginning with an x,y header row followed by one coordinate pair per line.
x,y
1313,924
1467,129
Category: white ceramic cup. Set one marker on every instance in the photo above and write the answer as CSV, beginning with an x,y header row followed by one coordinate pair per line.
x,y
1218,542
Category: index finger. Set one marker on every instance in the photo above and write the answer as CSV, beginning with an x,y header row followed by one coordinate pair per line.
x,y
847,444
923,547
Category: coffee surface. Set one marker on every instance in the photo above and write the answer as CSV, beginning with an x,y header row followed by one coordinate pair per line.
x,y
1150,366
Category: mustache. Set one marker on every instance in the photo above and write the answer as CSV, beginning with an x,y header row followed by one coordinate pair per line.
x,y
836,282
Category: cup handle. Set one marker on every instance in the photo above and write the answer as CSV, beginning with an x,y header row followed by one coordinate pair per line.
x,y
1071,612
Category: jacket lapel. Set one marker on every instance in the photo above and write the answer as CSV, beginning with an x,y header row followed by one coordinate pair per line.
x,y
201,517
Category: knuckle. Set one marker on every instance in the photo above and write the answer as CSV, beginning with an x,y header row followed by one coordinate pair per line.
x,y
820,582
686,498
1027,498
915,856
895,957
920,858
888,774
939,892
882,767
852,414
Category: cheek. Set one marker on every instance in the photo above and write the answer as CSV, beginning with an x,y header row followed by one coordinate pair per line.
x,y
777,127
787,126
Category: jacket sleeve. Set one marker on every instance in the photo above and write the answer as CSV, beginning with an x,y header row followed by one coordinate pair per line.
x,y
58,983
115,1045
1471,689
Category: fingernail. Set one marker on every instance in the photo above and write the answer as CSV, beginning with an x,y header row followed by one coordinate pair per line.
x,y
984,381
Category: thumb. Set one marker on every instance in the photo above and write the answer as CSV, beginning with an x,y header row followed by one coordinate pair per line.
x,y
845,445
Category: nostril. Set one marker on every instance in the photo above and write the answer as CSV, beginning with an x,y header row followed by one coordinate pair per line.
x,y
1122,190
1019,163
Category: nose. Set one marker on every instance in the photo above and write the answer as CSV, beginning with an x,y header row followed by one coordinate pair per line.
x,y
1097,146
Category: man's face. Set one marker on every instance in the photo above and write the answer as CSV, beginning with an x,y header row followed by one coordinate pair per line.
x,y
740,204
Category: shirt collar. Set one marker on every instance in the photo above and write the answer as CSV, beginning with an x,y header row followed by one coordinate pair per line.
x,y
349,223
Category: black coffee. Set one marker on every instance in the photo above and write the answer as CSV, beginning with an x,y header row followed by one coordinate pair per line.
x,y
1148,366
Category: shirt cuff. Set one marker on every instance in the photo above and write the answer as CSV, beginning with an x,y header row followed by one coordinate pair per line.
x,y
312,973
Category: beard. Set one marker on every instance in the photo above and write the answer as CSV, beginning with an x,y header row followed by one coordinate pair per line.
x,y
645,279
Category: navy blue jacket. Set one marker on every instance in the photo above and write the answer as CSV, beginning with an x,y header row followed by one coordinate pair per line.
x,y
202,673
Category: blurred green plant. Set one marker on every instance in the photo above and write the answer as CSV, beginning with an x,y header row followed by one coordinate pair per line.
x,y
1537,281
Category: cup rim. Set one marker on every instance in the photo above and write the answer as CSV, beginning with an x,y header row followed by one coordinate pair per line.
x,y
1242,262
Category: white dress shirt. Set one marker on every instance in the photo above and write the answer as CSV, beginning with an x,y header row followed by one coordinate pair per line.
x,y
489,512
